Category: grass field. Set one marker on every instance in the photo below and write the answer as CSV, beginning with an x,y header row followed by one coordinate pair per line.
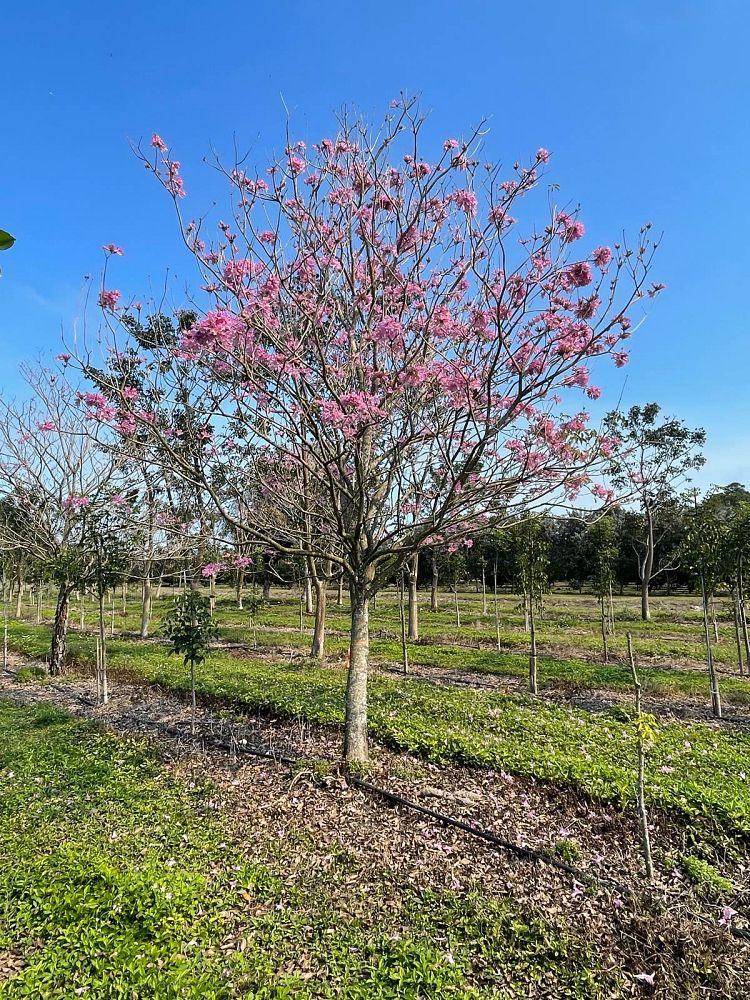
x,y
76,788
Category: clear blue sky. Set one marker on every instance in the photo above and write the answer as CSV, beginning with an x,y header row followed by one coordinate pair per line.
x,y
644,106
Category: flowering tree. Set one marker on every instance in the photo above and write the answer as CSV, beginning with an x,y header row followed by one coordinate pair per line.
x,y
385,353
55,480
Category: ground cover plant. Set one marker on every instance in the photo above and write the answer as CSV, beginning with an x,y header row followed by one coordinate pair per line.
x,y
119,880
695,770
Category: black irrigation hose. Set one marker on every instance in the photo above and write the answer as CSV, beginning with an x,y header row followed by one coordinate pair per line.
x,y
518,850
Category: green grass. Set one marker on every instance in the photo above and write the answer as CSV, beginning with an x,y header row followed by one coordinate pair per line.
x,y
696,771
118,882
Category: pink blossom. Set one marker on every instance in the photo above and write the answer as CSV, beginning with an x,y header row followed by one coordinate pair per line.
x,y
47,425
109,299
158,143
213,569
76,502
118,500
621,358
112,249
579,274
450,144
602,256
267,236
727,916
466,200
542,154
297,164
65,358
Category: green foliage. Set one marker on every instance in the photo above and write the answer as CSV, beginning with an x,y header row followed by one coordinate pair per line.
x,y
706,877
566,849
601,537
6,240
30,673
117,882
189,626
531,559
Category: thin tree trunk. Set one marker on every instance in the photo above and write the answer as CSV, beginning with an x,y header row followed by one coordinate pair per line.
x,y
102,688
532,650
240,592
412,569
604,631
60,630
192,697
402,617
309,609
146,601
484,590
712,677
355,726
458,610
737,637
340,591
19,591
647,567
497,615
743,616
434,582
641,791
317,648
266,579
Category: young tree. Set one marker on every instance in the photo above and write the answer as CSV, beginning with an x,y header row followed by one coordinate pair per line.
x,y
56,478
189,626
531,580
704,551
601,537
385,329
651,461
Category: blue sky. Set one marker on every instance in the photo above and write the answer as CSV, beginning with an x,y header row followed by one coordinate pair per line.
x,y
644,106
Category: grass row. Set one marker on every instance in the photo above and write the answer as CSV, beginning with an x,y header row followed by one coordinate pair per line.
x,y
698,771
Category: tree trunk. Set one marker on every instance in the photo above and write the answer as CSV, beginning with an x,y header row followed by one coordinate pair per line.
x,y
641,789
434,582
240,587
402,618
494,597
266,579
604,631
317,648
60,630
19,591
308,596
355,725
146,599
102,686
340,590
743,616
648,566
532,650
484,590
412,570
737,637
712,678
